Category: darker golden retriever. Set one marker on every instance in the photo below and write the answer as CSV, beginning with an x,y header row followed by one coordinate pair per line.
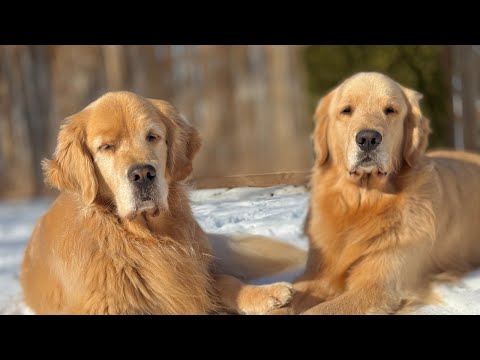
x,y
121,238
385,218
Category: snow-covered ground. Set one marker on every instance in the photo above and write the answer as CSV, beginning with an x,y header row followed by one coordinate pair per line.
x,y
277,212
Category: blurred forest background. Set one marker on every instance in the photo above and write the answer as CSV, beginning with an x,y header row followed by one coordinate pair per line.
x,y
253,104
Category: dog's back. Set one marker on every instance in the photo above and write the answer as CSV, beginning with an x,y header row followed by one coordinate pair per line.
x,y
457,209
253,257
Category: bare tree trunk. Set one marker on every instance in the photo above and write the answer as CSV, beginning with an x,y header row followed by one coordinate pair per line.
x,y
467,63
115,66
20,164
137,59
35,84
163,73
447,65
285,131
6,145
302,118
244,129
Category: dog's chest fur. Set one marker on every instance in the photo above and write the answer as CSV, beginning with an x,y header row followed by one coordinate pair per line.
x,y
129,270
349,222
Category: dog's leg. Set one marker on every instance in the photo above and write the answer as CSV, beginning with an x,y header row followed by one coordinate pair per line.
x,y
242,298
375,286
286,310
309,293
358,302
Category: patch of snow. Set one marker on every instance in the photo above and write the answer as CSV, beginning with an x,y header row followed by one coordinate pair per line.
x,y
277,211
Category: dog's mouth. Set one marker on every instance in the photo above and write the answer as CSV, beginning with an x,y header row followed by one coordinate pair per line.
x,y
145,204
367,164
147,207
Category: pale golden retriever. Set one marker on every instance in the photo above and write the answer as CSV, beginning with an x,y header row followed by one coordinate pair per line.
x,y
121,238
385,218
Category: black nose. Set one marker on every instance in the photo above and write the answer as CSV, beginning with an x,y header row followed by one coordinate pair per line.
x,y
142,174
368,140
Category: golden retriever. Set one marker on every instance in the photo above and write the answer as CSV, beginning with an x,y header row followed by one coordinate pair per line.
x,y
121,238
385,219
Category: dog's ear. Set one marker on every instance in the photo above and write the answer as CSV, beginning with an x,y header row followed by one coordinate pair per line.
x,y
319,136
72,167
416,127
183,141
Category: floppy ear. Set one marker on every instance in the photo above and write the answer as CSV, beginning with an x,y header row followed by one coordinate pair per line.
x,y
417,128
72,167
183,141
319,136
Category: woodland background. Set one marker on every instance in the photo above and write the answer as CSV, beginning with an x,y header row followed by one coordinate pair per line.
x,y
252,104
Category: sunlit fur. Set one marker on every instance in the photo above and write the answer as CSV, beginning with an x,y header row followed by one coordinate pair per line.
x,y
102,249
379,238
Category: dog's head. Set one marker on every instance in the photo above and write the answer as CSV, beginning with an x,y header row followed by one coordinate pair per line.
x,y
370,124
123,151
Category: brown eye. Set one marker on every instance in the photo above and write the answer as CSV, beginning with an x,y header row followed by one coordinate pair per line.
x,y
106,147
152,138
389,110
347,110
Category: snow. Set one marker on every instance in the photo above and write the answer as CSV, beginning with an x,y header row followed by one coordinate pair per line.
x,y
17,220
276,211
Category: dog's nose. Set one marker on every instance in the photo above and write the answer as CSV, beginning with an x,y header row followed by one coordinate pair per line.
x,y
368,140
142,175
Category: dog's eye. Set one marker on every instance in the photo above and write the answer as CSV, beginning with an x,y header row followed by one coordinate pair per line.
x,y
389,110
152,138
106,147
347,110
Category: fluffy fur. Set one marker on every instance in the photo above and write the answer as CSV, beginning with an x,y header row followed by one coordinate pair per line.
x,y
108,246
381,229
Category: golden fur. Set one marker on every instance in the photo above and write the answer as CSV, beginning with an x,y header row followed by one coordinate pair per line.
x,y
381,230
107,246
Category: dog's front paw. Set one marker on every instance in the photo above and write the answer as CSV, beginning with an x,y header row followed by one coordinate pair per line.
x,y
280,295
266,298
